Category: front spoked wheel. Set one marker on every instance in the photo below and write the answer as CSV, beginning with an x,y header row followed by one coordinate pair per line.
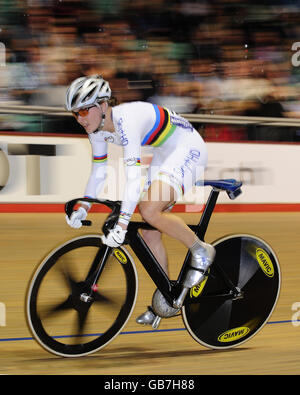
x,y
70,314
239,295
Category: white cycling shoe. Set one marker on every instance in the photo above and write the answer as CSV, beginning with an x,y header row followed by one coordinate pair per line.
x,y
149,318
146,318
203,255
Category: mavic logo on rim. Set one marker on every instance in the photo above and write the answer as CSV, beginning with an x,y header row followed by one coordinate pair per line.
x,y
264,262
233,334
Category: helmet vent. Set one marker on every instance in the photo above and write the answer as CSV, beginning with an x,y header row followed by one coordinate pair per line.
x,y
91,93
74,99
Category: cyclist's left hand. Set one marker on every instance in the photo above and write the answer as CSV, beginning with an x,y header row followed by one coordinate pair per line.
x,y
115,237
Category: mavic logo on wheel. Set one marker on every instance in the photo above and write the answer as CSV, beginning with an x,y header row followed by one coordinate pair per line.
x,y
120,256
233,334
197,289
264,262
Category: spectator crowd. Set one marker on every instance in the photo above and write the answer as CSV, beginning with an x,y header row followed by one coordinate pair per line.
x,y
204,57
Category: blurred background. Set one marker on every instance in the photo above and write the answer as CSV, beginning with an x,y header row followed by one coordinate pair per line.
x,y
195,57
224,64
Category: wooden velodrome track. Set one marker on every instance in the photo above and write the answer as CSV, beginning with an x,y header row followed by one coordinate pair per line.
x,y
27,237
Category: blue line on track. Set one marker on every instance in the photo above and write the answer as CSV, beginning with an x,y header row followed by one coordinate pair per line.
x,y
131,332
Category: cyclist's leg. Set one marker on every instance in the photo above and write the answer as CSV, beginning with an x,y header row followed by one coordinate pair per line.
x,y
152,210
161,190
182,168
153,239
172,173
177,174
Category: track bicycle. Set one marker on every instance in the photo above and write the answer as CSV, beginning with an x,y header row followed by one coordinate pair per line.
x,y
83,293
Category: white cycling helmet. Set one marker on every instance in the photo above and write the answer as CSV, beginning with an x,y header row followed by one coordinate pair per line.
x,y
85,91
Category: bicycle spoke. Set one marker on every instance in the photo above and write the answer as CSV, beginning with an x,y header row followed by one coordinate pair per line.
x,y
66,305
69,280
80,298
81,321
100,298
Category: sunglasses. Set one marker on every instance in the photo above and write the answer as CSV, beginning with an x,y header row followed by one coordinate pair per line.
x,y
83,112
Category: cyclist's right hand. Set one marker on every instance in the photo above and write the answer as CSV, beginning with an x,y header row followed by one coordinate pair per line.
x,y
76,217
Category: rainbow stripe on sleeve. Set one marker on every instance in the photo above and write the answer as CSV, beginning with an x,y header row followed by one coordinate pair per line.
x,y
100,159
162,128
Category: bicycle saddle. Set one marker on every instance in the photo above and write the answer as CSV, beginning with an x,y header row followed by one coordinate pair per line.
x,y
231,186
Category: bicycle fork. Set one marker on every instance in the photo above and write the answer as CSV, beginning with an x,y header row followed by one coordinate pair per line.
x,y
95,272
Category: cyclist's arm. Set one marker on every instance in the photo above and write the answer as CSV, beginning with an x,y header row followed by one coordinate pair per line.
x,y
132,188
98,172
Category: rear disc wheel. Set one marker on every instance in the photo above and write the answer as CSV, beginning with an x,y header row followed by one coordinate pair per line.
x,y
222,314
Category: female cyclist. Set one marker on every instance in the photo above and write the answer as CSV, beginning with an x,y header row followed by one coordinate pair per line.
x,y
178,154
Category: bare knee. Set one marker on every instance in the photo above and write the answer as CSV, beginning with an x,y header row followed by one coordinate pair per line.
x,y
152,237
149,214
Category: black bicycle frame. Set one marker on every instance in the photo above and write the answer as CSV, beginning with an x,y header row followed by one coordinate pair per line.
x,y
168,288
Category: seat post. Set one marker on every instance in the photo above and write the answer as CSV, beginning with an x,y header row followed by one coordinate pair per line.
x,y
201,228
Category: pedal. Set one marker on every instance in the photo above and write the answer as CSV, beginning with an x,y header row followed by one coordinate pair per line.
x,y
156,322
